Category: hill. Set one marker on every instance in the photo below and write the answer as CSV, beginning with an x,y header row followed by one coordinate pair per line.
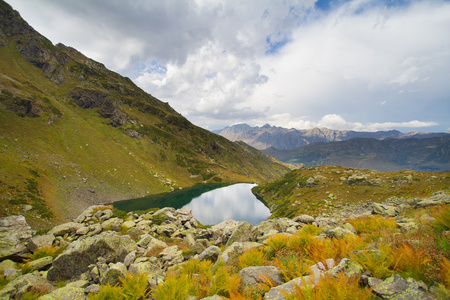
x,y
324,189
73,133
283,138
425,154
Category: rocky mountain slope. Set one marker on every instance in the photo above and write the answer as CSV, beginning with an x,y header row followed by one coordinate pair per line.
x,y
283,138
73,133
424,154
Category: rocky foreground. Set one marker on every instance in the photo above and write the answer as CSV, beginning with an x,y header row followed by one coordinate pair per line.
x,y
100,248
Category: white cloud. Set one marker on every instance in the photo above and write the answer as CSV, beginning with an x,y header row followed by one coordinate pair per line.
x,y
361,64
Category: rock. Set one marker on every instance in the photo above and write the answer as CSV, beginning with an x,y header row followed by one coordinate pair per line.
x,y
19,286
306,219
40,241
81,253
171,255
241,234
272,227
408,227
66,228
211,253
153,270
104,214
276,293
65,293
7,264
336,232
224,230
113,224
395,287
93,288
384,210
129,224
349,267
135,233
214,297
41,264
11,273
129,259
113,274
14,236
238,248
269,275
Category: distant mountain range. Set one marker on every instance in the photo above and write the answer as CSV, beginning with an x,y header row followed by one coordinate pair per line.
x,y
283,138
382,150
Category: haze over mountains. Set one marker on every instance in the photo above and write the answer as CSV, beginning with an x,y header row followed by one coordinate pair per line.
x,y
73,133
382,150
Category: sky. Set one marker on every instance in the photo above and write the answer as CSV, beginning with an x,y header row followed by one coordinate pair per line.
x,y
363,65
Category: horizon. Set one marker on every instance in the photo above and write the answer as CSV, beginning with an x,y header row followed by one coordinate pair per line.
x,y
347,65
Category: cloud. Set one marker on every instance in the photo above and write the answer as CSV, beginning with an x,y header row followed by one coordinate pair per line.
x,y
355,62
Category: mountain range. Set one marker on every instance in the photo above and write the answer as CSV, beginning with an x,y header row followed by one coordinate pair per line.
x,y
381,151
73,133
283,138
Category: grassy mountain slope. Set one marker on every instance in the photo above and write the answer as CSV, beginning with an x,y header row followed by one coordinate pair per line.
x,y
73,133
323,189
424,154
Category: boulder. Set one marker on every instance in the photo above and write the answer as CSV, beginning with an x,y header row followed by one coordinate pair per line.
x,y
41,264
81,253
19,286
395,287
66,228
113,224
241,234
40,241
113,274
14,236
238,248
211,253
268,275
7,264
171,256
66,293
305,219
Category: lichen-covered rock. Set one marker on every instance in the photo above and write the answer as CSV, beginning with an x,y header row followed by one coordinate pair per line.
x,y
41,264
211,253
113,274
349,267
81,253
397,288
14,236
306,219
114,224
66,293
241,234
40,241
238,248
19,286
268,275
66,228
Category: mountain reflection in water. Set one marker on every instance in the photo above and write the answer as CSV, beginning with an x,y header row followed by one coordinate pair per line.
x,y
210,204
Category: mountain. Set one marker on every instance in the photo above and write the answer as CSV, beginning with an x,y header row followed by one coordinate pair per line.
x,y
420,154
282,138
73,133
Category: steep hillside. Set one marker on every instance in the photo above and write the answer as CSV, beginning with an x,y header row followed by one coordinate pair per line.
x,y
283,138
321,190
426,154
73,133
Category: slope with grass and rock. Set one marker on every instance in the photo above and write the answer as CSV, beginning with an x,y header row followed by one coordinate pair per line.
x,y
166,254
74,134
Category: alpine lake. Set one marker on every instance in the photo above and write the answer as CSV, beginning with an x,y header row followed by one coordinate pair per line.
x,y
210,203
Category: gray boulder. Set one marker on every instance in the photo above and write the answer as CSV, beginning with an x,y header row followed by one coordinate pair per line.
x,y
113,274
268,275
66,293
81,253
211,253
113,224
41,264
14,236
40,241
397,288
66,228
19,286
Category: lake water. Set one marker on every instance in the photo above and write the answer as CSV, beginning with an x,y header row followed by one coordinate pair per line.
x,y
210,204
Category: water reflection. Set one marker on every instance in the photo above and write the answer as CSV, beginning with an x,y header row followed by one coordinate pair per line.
x,y
235,202
210,204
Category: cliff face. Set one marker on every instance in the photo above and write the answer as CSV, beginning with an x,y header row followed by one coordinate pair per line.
x,y
73,133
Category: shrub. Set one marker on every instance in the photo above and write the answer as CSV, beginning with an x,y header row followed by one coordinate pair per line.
x,y
340,287
108,292
373,224
174,289
444,274
46,251
442,219
135,286
253,257
411,262
194,266
277,242
381,263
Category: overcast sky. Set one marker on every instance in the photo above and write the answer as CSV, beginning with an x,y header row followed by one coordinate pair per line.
x,y
359,65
